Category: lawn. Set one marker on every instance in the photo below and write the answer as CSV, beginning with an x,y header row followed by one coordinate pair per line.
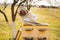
x,y
45,15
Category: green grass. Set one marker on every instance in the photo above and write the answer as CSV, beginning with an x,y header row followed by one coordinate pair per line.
x,y
43,15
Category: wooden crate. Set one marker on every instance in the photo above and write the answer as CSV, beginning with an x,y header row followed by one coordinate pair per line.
x,y
34,33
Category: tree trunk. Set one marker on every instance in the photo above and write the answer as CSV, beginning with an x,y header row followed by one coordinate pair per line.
x,y
13,29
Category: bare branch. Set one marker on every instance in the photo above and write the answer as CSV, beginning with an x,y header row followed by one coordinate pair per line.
x,y
4,15
18,7
28,7
12,10
5,5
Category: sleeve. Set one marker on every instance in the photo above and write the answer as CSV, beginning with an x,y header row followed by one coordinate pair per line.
x,y
32,16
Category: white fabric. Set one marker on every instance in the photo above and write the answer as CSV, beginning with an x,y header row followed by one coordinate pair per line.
x,y
27,18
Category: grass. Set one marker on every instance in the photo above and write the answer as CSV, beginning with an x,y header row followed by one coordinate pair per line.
x,y
45,15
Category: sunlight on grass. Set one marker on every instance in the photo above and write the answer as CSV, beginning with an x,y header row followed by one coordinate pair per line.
x,y
43,15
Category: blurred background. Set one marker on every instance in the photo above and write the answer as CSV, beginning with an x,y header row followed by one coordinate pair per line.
x,y
47,11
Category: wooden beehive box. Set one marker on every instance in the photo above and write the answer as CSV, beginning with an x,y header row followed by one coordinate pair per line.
x,y
35,33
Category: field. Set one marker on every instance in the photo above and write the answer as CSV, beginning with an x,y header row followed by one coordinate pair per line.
x,y
44,15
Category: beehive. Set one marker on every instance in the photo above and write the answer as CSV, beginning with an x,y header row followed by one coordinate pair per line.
x,y
34,33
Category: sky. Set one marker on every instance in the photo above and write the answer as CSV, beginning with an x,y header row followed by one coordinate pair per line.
x,y
43,2
8,1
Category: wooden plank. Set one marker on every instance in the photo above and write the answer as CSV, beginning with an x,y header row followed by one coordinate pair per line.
x,y
36,32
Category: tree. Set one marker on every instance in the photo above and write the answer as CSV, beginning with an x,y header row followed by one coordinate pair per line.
x,y
13,15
